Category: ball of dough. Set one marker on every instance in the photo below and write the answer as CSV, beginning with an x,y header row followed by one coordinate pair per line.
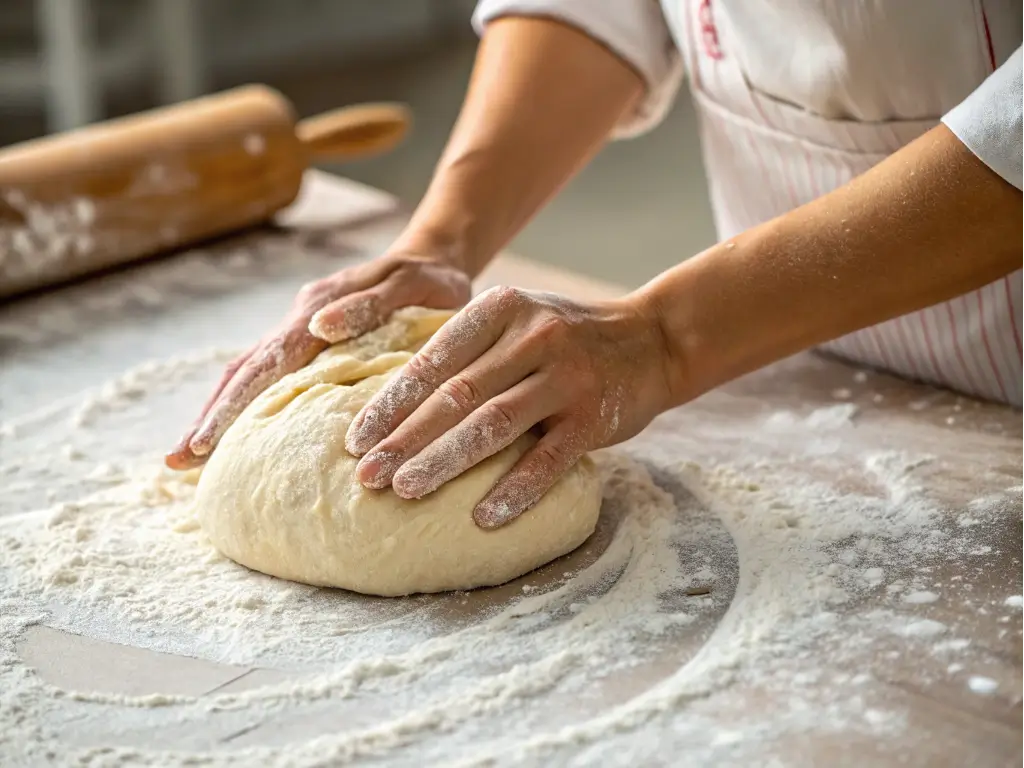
x,y
279,494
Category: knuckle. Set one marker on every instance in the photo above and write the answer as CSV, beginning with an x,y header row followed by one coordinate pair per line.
x,y
550,330
504,295
552,456
423,370
500,417
461,392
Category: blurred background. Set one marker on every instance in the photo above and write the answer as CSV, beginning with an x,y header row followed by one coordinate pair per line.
x,y
639,208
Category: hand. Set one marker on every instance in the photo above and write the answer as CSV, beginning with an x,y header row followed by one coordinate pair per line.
x,y
344,305
588,375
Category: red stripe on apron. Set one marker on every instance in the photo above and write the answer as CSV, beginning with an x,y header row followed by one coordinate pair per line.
x,y
988,347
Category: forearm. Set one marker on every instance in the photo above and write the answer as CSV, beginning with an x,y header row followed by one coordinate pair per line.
x,y
542,101
927,224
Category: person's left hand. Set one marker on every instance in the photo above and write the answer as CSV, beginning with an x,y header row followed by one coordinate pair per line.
x,y
588,375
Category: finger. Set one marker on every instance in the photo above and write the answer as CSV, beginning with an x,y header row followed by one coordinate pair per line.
x,y
319,293
361,312
311,297
532,476
181,456
460,341
280,356
491,428
425,285
495,373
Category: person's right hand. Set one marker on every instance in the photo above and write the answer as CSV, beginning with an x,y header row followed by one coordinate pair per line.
x,y
344,305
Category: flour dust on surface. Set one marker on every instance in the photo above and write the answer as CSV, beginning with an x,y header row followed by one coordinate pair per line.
x,y
735,564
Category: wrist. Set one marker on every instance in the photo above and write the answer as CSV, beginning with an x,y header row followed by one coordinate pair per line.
x,y
672,303
436,245
669,352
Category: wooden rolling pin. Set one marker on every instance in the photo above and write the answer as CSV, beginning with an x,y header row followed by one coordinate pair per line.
x,y
112,192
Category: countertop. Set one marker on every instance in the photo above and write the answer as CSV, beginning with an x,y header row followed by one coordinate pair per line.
x,y
931,653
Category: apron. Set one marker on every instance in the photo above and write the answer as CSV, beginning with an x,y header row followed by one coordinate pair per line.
x,y
765,154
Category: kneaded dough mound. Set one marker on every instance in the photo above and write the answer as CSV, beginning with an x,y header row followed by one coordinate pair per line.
x,y
279,494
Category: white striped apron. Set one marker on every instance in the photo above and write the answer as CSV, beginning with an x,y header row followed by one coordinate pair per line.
x,y
765,156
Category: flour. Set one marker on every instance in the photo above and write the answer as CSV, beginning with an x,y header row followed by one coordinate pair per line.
x,y
148,377
829,418
921,597
982,685
730,568
921,628
182,281
254,144
45,237
160,179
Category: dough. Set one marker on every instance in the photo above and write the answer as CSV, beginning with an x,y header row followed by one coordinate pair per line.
x,y
279,494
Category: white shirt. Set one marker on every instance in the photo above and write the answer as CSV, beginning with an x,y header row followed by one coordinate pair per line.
x,y
799,96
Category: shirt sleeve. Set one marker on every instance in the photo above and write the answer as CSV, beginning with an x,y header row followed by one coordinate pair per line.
x,y
635,30
989,120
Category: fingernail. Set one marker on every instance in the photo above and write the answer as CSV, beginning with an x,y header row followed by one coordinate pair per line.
x,y
377,468
414,480
356,444
320,328
494,514
359,438
174,460
178,463
202,441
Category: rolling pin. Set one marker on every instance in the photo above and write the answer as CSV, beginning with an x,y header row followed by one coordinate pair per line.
x,y
113,192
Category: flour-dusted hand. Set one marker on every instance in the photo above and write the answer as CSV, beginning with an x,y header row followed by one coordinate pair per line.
x,y
587,375
344,305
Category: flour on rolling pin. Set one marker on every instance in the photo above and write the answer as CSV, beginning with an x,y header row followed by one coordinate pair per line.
x,y
115,192
162,178
254,144
45,236
55,235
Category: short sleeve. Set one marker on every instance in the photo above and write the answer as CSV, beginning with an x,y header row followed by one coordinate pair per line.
x,y
989,120
635,30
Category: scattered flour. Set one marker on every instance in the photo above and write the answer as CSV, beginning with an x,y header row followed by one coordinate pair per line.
x,y
920,598
874,576
728,566
982,685
921,628
821,419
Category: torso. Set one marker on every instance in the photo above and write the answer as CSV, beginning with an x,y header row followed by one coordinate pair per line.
x,y
796,102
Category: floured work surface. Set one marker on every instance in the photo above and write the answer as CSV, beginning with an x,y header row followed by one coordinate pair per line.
x,y
814,565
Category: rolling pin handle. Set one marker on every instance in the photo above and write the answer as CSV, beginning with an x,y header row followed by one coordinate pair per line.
x,y
354,132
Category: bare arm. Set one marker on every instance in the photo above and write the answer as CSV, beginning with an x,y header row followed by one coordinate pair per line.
x,y
929,223
542,101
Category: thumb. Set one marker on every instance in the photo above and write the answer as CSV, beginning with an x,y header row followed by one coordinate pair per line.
x,y
350,316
